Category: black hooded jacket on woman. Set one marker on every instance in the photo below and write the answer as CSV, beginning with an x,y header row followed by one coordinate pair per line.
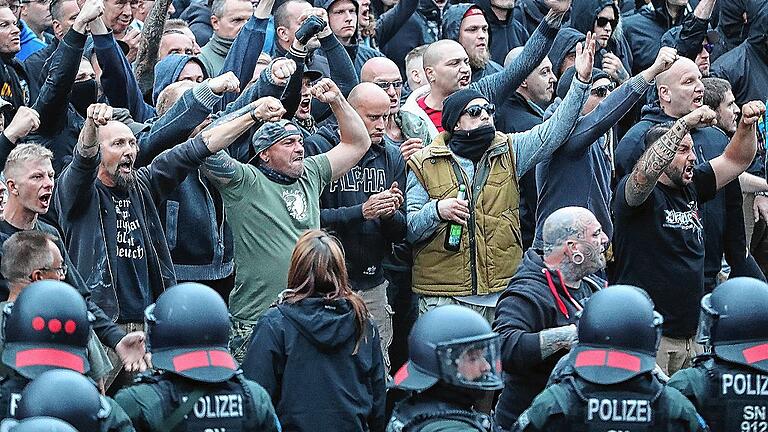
x,y
304,355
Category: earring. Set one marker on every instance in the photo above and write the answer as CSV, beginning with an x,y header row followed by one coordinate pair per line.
x,y
578,258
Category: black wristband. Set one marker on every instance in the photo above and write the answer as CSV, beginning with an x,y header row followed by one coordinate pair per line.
x,y
437,209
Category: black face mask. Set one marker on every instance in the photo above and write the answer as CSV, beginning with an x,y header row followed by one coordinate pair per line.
x,y
472,144
84,94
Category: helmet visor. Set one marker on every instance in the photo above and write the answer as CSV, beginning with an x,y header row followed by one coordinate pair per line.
x,y
707,318
472,363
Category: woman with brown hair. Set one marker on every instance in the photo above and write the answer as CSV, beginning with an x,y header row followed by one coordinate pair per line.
x,y
316,352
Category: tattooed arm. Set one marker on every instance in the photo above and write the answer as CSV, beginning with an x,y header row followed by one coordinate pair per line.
x,y
660,154
554,339
147,56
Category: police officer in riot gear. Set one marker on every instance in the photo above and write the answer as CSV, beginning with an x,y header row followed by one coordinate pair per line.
x,y
607,383
454,361
69,396
198,386
47,328
729,386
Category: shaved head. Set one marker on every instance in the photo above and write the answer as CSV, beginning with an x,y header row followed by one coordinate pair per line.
x,y
435,52
565,224
679,67
376,67
366,92
680,88
512,55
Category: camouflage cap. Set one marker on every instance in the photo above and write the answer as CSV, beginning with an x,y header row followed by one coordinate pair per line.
x,y
271,132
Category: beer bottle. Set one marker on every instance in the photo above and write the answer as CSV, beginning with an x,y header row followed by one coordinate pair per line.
x,y
453,234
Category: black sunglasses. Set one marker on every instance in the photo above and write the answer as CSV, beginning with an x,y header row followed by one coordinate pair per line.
x,y
603,21
709,47
601,91
385,84
476,110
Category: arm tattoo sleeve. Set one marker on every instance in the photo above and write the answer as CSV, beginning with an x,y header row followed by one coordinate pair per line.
x,y
554,339
148,53
220,168
653,163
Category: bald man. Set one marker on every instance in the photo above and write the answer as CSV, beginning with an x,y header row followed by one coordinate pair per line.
x,y
108,213
537,313
364,208
405,130
447,70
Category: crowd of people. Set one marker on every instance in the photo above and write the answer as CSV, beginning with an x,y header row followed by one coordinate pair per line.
x,y
384,215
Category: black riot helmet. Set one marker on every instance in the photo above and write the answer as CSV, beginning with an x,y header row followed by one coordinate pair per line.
x,y
187,332
734,322
453,344
65,395
47,327
619,333
42,424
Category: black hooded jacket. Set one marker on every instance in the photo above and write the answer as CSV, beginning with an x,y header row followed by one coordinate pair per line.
x,y
504,34
583,16
423,27
304,355
452,18
535,300
746,66
564,43
644,30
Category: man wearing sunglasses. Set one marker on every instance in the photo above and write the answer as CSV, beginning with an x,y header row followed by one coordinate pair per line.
x,y
488,163
601,17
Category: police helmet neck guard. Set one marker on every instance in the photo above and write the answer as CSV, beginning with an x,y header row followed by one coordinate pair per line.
x,y
188,332
734,322
619,333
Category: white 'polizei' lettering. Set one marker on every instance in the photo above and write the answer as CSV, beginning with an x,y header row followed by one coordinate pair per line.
x,y
219,406
619,410
744,384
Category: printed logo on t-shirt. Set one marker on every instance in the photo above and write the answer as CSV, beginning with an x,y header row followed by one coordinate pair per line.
x,y
684,220
296,203
128,246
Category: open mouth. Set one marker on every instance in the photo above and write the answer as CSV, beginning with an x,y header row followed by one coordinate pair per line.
x,y
688,172
125,167
45,199
698,101
464,81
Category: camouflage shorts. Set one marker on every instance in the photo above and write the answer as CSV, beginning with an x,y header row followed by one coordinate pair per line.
x,y
240,339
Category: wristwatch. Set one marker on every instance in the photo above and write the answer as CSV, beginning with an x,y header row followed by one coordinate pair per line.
x,y
762,193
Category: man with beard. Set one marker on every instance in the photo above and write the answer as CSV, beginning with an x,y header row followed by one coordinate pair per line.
x,y
537,312
466,24
658,231
108,212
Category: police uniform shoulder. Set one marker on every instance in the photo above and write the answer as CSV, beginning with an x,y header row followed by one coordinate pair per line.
x,y
258,392
682,409
551,402
689,381
118,419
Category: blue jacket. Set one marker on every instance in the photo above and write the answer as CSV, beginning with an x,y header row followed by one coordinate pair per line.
x,y
36,66
583,16
579,173
86,211
645,29
167,72
29,42
423,27
529,13
366,242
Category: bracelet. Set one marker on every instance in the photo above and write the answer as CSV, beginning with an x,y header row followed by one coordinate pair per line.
x,y
761,193
437,209
253,116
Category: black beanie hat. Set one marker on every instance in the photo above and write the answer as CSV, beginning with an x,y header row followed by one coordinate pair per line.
x,y
565,81
455,104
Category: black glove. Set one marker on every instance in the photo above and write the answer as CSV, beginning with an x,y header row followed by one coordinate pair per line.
x,y
309,29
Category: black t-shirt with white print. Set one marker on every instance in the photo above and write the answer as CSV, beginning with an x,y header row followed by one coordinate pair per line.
x,y
130,266
659,246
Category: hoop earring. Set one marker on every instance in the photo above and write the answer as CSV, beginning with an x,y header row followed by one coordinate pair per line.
x,y
578,258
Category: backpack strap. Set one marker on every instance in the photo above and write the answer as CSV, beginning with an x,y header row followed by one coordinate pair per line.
x,y
178,414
